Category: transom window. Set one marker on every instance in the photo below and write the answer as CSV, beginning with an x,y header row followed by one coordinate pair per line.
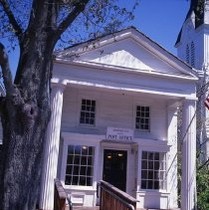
x,y
88,111
153,170
142,118
79,169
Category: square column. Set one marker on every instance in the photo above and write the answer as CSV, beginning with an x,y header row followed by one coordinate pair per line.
x,y
188,166
51,149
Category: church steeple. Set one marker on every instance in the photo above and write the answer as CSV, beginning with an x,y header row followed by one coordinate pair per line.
x,y
197,6
193,47
199,11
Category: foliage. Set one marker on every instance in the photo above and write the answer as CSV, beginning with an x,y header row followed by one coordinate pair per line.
x,y
203,188
98,18
37,26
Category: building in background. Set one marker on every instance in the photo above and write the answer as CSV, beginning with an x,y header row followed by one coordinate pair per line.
x,y
114,117
193,47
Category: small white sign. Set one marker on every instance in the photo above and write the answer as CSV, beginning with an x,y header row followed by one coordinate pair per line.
x,y
119,134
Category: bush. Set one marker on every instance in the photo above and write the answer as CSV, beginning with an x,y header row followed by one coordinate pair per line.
x,y
203,188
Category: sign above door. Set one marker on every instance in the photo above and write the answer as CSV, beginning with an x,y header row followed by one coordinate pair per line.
x,y
119,134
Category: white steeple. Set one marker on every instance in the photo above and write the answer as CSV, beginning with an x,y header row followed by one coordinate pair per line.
x,y
193,47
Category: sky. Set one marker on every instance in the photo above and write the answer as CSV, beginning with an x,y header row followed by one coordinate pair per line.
x,y
160,20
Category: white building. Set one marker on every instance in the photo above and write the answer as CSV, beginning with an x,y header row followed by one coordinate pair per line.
x,y
193,47
114,117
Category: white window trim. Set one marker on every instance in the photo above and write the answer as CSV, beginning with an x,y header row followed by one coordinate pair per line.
x,y
164,171
152,146
79,139
95,113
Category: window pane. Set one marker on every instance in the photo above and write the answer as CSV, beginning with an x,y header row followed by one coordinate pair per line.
x,y
70,159
156,185
150,184
77,150
76,159
150,174
143,184
89,171
156,165
82,181
83,161
144,174
144,155
83,171
90,160
156,156
69,170
150,155
150,165
144,164
156,175
89,181
75,180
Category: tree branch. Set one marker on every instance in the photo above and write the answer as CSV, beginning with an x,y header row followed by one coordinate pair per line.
x,y
4,63
17,29
78,8
204,164
12,92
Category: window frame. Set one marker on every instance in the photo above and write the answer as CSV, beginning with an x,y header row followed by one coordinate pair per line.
x,y
146,118
87,112
161,173
79,166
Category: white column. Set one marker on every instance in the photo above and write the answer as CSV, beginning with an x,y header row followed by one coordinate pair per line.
x,y
188,182
172,185
51,149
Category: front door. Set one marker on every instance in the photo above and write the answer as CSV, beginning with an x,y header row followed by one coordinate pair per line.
x,y
115,165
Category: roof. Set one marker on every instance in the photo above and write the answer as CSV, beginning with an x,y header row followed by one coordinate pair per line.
x,y
115,34
79,51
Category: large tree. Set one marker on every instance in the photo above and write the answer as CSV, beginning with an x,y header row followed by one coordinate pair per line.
x,y
37,26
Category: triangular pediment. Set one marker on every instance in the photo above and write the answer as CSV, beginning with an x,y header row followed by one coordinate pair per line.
x,y
130,50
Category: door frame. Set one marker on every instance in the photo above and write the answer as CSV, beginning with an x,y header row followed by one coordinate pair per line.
x,y
131,149
124,161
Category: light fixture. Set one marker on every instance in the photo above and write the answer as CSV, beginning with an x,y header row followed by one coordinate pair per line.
x,y
109,156
84,147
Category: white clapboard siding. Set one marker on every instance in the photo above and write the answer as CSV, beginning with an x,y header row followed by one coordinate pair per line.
x,y
113,109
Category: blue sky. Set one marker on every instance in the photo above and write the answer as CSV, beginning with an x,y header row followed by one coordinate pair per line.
x,y
160,20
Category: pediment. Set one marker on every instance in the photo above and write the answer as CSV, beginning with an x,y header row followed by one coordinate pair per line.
x,y
135,52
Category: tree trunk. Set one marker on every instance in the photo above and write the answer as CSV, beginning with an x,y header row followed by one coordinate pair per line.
x,y
26,108
25,115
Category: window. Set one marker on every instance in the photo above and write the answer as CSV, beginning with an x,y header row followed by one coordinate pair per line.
x,y
142,118
153,170
79,169
87,115
187,53
192,54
